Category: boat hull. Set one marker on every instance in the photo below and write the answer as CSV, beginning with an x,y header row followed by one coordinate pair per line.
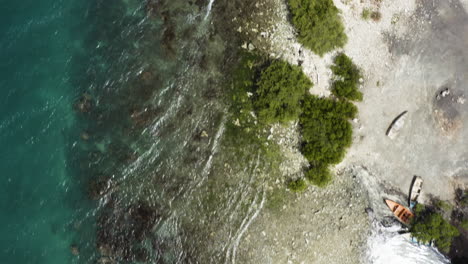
x,y
415,191
402,213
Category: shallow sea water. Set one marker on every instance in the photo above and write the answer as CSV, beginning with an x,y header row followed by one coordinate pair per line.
x,y
38,198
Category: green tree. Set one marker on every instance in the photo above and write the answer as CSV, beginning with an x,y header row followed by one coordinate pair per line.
x,y
280,91
430,226
319,175
326,132
318,24
347,78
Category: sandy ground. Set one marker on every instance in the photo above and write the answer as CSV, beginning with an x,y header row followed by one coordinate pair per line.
x,y
414,59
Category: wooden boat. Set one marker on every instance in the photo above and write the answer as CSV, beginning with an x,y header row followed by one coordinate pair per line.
x,y
401,213
415,191
396,125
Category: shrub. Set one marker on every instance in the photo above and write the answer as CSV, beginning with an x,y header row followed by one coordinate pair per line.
x,y
244,135
318,24
430,226
326,133
280,91
365,13
319,175
348,75
298,185
464,224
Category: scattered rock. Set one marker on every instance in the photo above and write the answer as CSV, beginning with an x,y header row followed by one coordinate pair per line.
x,y
84,136
74,250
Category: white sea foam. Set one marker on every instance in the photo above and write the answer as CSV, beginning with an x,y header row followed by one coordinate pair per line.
x,y
386,246
208,9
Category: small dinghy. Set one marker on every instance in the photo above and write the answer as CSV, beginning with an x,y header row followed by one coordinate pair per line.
x,y
415,191
396,125
402,213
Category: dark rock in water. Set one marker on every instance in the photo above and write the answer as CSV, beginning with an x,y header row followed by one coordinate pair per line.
x,y
104,250
389,221
99,186
74,250
141,255
84,104
122,231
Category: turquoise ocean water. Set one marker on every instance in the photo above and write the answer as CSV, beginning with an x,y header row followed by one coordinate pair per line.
x,y
38,199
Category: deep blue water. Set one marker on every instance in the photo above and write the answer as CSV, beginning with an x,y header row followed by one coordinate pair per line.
x,y
38,197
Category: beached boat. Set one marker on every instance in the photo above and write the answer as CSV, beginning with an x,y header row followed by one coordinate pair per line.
x,y
401,213
415,191
396,125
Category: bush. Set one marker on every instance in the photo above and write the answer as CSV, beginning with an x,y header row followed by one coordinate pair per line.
x,y
319,175
348,75
464,224
244,135
326,133
365,13
318,24
280,91
430,226
298,185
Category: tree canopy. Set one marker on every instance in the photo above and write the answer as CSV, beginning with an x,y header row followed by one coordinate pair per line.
x,y
318,24
348,75
431,226
279,93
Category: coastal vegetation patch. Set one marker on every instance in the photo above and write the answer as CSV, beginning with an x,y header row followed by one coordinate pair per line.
x,y
265,92
347,77
325,127
298,185
326,133
279,92
245,134
430,226
318,24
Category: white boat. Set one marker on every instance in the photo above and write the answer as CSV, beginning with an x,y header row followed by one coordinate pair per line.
x,y
415,191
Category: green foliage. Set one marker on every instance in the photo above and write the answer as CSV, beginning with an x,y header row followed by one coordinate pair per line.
x,y
276,199
244,134
464,224
444,206
298,185
280,91
319,175
464,199
419,209
365,14
346,85
318,24
430,226
326,133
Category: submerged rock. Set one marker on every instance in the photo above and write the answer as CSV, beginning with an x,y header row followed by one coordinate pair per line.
x,y
74,250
